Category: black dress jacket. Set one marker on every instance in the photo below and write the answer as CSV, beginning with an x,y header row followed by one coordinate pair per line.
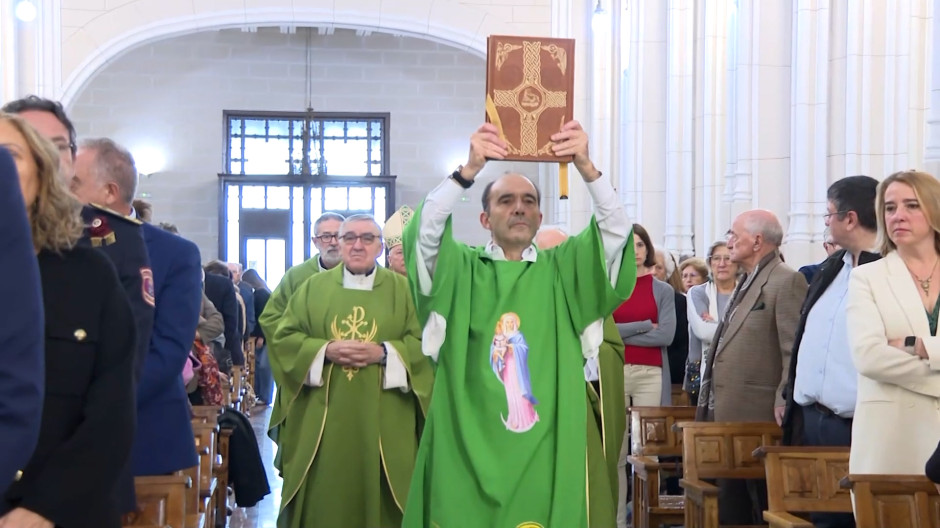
x,y
822,278
88,413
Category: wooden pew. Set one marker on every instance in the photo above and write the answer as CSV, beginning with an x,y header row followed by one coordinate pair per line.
x,y
206,434
806,480
713,450
161,502
890,501
652,435
219,501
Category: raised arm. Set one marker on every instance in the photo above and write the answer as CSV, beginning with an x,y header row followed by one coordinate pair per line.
x,y
439,204
611,218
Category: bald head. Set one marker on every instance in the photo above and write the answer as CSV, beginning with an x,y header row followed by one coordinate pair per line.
x,y
549,238
754,235
765,223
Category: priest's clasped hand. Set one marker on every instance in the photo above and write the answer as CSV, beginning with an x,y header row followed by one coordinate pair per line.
x,y
354,353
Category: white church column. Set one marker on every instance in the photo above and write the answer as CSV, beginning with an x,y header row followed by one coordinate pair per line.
x,y
8,47
30,50
762,107
680,113
880,128
644,159
714,71
932,157
809,131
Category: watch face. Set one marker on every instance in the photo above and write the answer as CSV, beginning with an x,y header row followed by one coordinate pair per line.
x,y
910,341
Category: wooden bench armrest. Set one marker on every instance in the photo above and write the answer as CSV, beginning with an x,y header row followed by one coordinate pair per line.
x,y
697,490
165,480
763,451
644,463
785,520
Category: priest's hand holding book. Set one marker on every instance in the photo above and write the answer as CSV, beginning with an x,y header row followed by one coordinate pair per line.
x,y
571,140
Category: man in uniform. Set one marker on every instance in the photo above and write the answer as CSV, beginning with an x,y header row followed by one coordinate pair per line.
x,y
105,173
394,227
604,377
119,237
22,330
505,442
355,389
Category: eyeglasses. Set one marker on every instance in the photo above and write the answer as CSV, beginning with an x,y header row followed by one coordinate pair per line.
x,y
63,146
829,215
326,237
366,238
720,258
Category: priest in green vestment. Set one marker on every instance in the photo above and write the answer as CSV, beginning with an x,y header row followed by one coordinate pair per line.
x,y
326,240
354,386
506,443
604,377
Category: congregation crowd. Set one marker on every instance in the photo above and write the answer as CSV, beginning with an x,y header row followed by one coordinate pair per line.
x,y
457,386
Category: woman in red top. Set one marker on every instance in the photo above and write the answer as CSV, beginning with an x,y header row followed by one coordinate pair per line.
x,y
647,325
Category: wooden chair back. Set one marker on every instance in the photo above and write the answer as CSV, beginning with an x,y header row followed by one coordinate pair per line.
x,y
652,432
161,501
804,479
714,450
889,501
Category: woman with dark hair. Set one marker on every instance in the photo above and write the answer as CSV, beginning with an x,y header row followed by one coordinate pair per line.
x,y
264,378
647,325
88,410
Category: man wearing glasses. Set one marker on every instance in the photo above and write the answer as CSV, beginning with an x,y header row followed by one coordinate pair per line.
x,y
748,360
326,240
822,385
354,388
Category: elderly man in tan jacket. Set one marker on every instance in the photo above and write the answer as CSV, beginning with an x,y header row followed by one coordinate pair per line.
x,y
749,358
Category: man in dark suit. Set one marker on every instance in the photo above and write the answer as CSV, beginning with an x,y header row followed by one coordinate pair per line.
x,y
822,385
22,371
105,173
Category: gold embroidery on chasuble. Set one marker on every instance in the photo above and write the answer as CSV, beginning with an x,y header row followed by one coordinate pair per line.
x,y
356,329
530,98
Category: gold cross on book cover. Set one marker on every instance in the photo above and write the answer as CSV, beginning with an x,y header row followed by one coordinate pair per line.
x,y
530,95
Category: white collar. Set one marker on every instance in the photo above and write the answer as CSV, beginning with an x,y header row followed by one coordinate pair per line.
x,y
495,252
352,281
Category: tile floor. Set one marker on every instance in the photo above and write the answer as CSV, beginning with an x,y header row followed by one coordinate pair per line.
x,y
263,514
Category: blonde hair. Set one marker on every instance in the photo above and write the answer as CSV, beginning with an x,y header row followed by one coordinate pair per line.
x,y
699,265
926,190
55,215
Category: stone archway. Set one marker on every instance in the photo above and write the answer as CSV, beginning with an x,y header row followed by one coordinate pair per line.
x,y
442,21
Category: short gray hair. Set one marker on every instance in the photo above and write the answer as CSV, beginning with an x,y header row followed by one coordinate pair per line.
x,y
327,216
114,163
360,218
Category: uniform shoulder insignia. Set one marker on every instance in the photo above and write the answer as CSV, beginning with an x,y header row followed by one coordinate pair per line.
x,y
113,214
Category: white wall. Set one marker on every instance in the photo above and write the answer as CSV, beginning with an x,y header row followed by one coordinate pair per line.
x,y
170,95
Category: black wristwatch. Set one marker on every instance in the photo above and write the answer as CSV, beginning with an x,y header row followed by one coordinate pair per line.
x,y
909,345
463,182
384,360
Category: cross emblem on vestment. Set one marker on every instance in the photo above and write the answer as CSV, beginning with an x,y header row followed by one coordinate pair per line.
x,y
530,98
354,323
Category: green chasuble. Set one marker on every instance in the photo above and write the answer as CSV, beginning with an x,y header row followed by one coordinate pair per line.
x,y
608,407
269,319
507,443
348,447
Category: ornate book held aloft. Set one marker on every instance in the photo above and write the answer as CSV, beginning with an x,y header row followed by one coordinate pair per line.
x,y
529,93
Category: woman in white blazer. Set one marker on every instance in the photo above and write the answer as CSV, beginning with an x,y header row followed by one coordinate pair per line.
x,y
892,315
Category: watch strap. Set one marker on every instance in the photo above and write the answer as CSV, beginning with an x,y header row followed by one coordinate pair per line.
x,y
463,182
